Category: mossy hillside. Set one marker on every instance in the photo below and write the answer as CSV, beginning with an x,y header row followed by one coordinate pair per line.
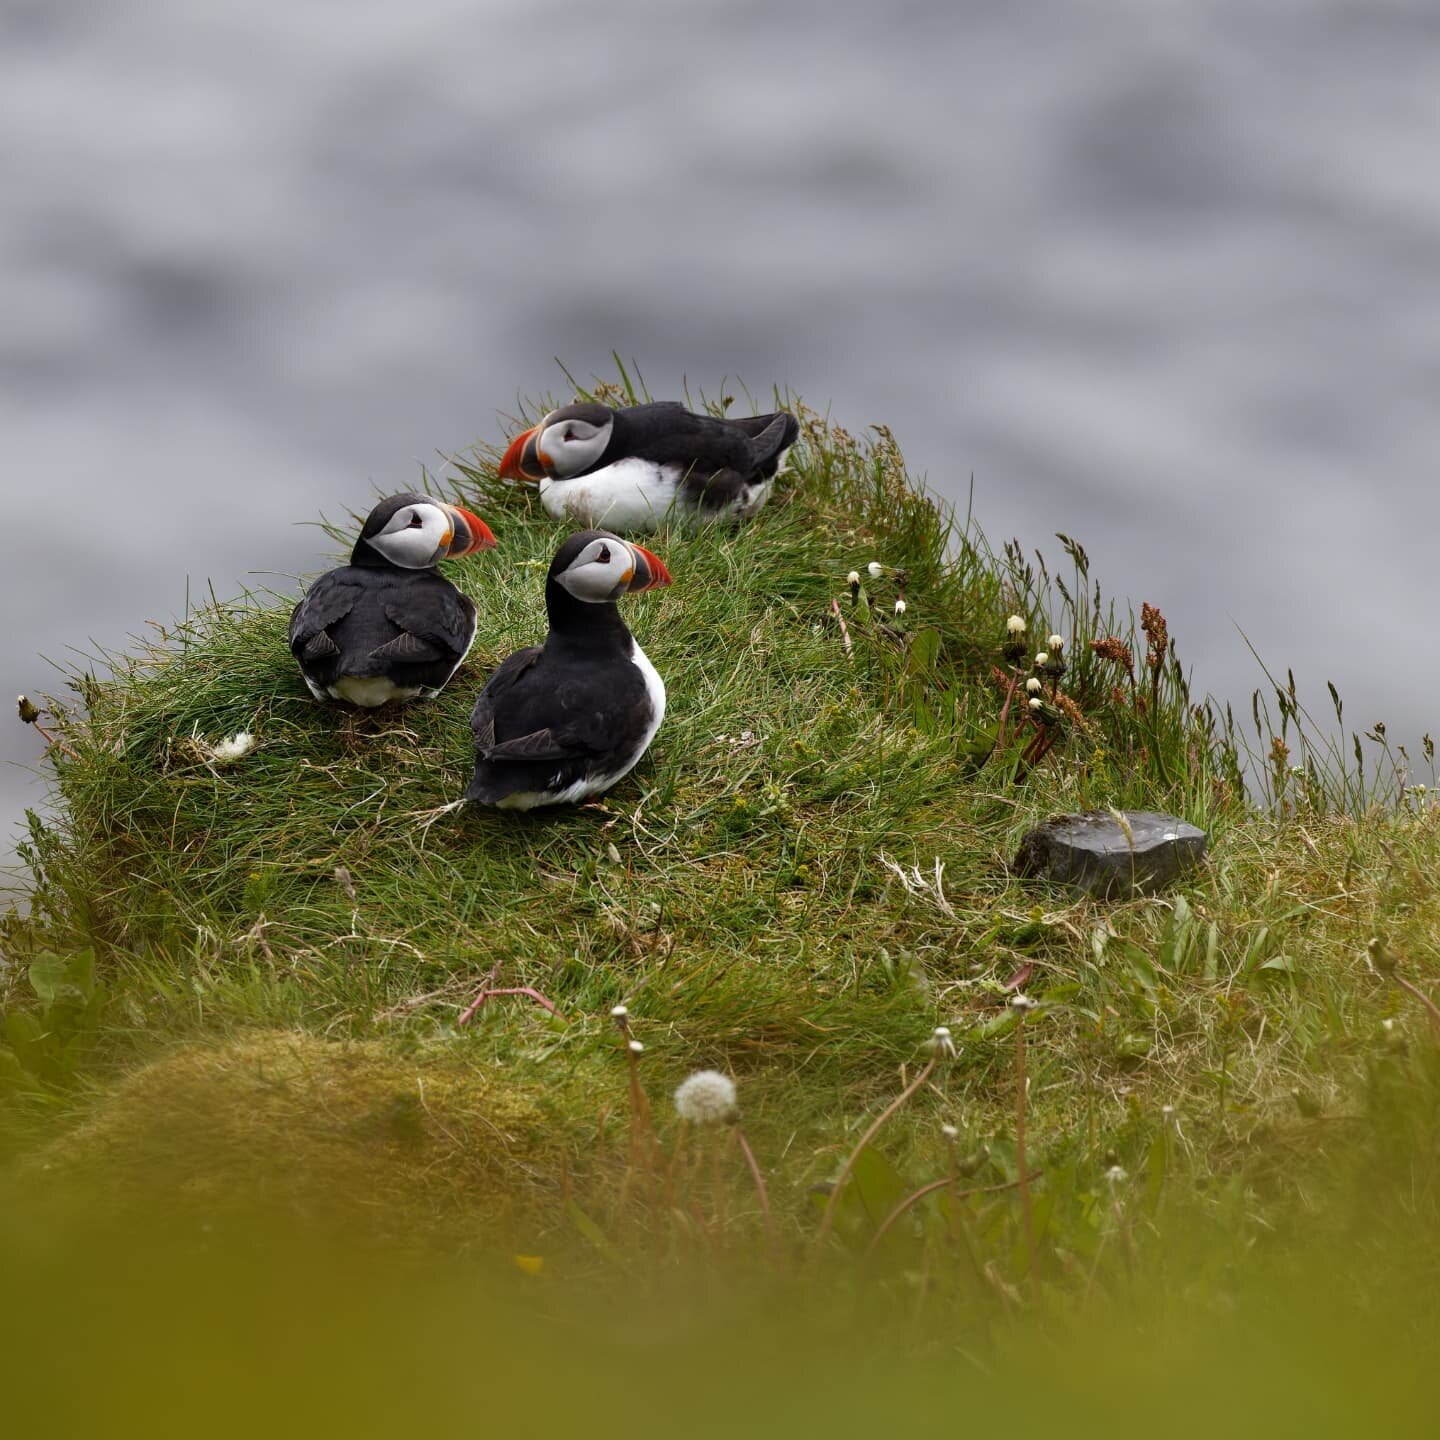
x,y
807,874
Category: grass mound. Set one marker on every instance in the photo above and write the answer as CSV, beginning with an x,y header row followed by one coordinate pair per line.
x,y
806,875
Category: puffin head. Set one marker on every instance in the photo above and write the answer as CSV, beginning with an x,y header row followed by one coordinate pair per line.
x,y
414,531
596,566
564,443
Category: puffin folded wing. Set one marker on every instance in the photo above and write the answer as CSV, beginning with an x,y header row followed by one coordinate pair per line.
x,y
408,647
327,602
566,743
769,444
445,623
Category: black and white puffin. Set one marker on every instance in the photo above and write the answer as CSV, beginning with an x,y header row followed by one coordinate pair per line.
x,y
562,721
635,468
389,626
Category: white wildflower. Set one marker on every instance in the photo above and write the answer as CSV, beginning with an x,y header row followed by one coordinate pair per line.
x,y
1057,642
706,1098
232,748
636,1048
853,578
1036,703
1015,625
619,1012
1042,658
899,607
941,1046
876,569
1117,1175
1021,1003
949,1132
1033,685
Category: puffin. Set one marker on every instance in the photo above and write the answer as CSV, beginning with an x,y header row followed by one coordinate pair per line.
x,y
388,626
559,722
634,468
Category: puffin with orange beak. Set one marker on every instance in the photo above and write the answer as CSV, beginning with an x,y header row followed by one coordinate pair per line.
x,y
637,468
389,626
562,721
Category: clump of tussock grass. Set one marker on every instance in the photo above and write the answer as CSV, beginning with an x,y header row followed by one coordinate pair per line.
x,y
807,872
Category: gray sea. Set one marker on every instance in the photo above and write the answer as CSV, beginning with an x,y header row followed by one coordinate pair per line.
x,y
1161,274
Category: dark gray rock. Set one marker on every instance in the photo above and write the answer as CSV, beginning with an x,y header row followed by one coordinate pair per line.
x,y
1092,852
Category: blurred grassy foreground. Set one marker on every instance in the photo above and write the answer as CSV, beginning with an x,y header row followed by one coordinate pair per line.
x,y
255,1175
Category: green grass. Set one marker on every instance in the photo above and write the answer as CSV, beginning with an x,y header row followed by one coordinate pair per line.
x,y
807,874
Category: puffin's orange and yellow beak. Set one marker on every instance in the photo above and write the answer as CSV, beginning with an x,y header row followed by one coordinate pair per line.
x,y
650,572
522,460
470,533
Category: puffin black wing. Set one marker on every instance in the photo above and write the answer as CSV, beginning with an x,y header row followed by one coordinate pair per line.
x,y
440,628
770,437
328,601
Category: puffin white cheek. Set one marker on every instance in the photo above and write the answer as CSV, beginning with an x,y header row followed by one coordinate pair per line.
x,y
416,546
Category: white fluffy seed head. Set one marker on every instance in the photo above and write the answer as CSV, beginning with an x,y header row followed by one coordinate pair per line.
x,y
1057,642
1015,625
706,1098
1020,1004
1033,685
949,1132
1117,1175
1036,703
876,569
232,747
853,578
636,1048
1042,658
899,607
619,1012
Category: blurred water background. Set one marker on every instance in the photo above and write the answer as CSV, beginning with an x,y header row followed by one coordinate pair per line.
x,y
1157,273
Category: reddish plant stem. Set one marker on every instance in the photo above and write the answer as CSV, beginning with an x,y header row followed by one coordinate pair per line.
x,y
1021,1088
844,628
1005,711
485,995
53,742
1432,1010
916,1196
760,1190
828,1218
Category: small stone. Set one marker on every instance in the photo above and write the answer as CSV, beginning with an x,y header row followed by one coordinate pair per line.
x,y
1093,854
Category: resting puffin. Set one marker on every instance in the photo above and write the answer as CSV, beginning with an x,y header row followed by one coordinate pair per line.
x,y
389,626
565,720
632,469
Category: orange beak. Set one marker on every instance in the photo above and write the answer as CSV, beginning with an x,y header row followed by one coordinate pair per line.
x,y
650,571
471,533
522,460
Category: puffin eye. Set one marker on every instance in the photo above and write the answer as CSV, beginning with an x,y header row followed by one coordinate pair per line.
x,y
604,556
415,521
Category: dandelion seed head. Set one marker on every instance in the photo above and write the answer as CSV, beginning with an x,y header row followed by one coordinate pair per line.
x,y
1015,625
1043,658
950,1132
1021,1003
940,1044
899,607
1036,703
619,1012
876,569
853,578
1033,686
706,1098
636,1048
1057,642
1117,1175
